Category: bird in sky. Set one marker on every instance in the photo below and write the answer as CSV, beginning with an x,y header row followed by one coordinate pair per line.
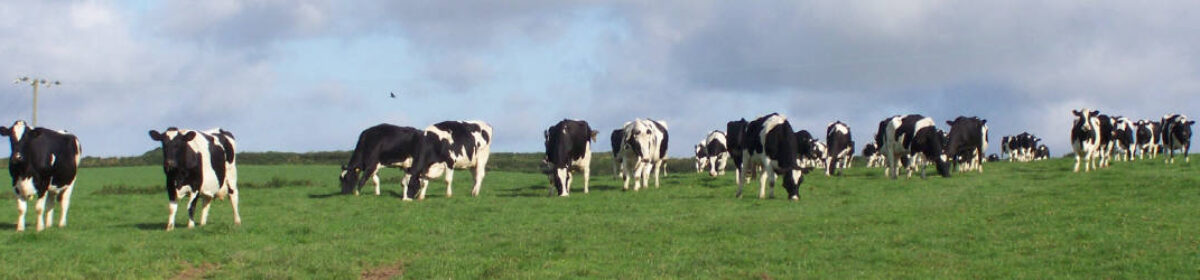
x,y
393,94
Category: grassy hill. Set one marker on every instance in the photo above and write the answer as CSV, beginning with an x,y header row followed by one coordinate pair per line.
x,y
1036,220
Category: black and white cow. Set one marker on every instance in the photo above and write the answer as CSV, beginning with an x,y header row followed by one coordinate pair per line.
x,y
1042,153
968,140
916,138
198,164
642,152
839,147
1123,142
1148,138
43,161
714,152
872,154
701,157
1107,142
568,148
806,148
771,145
1176,135
1085,137
617,136
993,158
734,132
380,146
447,146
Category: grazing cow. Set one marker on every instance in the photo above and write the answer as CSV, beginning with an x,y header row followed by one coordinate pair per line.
x,y
1020,147
1176,135
1042,152
817,155
968,141
1085,137
1147,138
199,164
872,154
913,137
734,132
1004,147
380,146
446,146
1123,144
806,149
993,158
771,145
615,138
42,160
840,147
568,148
642,151
715,152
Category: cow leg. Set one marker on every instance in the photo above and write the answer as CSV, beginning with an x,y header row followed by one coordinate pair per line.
x,y
39,208
424,185
762,183
192,209
64,201
375,180
1077,160
404,186
449,180
22,205
1186,159
658,170
233,198
172,207
566,191
587,176
204,211
479,173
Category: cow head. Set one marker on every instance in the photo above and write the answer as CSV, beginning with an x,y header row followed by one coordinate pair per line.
x,y
431,159
18,135
178,157
639,137
350,179
1087,120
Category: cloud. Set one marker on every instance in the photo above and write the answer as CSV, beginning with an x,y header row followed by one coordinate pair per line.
x,y
279,69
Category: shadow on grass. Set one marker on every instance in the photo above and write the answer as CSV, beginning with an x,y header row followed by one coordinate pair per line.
x,y
336,193
152,226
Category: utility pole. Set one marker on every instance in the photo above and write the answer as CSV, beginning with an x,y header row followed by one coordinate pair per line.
x,y
35,82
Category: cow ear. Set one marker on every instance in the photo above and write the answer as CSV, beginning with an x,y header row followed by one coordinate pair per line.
x,y
1190,122
154,135
189,136
983,122
1076,112
950,123
5,131
594,133
1095,112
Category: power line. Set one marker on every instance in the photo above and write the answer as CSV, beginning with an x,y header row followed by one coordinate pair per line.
x,y
35,83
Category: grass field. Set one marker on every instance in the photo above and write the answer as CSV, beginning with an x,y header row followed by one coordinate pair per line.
x,y
1037,220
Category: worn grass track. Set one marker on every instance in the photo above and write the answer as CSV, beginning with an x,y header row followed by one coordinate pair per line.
x,y
1036,220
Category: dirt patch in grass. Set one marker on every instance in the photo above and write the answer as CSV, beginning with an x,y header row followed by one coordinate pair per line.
x,y
384,272
196,272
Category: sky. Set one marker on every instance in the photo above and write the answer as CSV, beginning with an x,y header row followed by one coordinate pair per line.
x,y
310,75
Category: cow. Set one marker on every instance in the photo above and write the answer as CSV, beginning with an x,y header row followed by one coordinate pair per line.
x,y
615,138
447,146
198,164
716,153
1106,139
968,140
642,151
817,155
1005,143
734,131
872,154
380,146
840,147
993,158
568,148
1085,137
1123,144
1147,138
771,145
43,161
916,138
1042,153
807,150
701,157
1176,135
1020,147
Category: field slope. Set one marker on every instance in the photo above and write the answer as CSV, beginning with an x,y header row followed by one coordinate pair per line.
x,y
1036,220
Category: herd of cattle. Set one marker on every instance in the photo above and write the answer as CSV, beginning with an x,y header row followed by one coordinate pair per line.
x,y
201,165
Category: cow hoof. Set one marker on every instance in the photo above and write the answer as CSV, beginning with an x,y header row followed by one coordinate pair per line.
x,y
406,199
